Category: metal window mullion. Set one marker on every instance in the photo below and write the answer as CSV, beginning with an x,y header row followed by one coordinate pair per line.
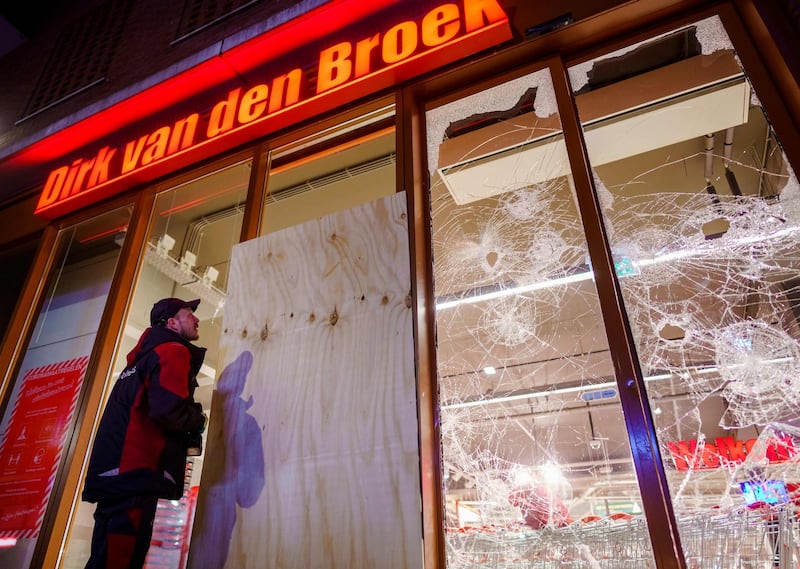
x,y
639,423
256,193
411,177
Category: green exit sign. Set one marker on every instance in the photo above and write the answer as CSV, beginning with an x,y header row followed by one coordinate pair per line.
x,y
624,267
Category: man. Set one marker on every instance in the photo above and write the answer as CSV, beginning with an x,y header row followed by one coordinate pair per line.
x,y
139,453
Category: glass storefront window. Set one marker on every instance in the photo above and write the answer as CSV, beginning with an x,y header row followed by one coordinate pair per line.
x,y
331,171
193,228
40,412
537,465
702,212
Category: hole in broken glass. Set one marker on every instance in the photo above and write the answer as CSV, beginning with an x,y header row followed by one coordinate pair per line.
x,y
716,228
672,332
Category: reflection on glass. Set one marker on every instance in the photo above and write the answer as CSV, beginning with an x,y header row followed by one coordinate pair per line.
x,y
702,213
40,412
193,229
537,465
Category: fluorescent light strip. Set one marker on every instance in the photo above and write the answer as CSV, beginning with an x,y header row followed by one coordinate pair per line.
x,y
714,369
657,377
577,277
591,387
531,395
676,255
535,394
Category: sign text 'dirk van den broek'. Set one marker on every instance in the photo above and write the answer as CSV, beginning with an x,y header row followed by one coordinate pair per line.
x,y
337,66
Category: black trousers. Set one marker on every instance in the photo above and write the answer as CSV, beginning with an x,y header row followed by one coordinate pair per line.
x,y
122,533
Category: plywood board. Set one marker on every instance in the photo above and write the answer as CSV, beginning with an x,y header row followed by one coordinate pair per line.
x,y
312,459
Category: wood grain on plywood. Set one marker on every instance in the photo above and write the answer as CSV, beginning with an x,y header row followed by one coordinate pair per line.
x,y
318,318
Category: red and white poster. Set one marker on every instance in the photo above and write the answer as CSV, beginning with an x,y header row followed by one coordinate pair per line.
x,y
32,444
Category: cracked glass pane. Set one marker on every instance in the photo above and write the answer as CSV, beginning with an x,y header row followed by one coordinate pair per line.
x,y
537,467
702,213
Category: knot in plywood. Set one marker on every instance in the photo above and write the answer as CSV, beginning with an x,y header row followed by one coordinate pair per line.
x,y
334,317
265,332
385,299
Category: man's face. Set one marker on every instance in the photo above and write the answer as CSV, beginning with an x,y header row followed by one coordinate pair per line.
x,y
185,323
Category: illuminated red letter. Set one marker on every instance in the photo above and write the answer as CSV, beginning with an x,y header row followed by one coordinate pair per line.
x,y
183,133
735,450
253,103
222,115
100,170
84,169
440,25
157,145
133,150
710,456
784,448
399,42
478,13
53,186
722,449
73,171
334,66
682,453
285,90
364,54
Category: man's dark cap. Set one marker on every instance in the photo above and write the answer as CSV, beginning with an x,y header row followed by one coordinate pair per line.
x,y
166,308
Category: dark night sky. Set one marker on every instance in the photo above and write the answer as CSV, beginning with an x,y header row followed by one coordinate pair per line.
x,y
28,15
22,19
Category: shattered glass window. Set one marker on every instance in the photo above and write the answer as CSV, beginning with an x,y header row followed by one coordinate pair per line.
x,y
537,467
702,213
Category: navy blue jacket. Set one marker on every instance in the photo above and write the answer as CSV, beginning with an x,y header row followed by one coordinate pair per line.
x,y
140,447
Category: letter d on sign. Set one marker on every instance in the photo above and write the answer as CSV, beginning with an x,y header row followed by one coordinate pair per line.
x,y
222,114
52,188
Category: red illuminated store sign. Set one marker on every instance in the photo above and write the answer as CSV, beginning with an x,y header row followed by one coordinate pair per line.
x,y
725,451
342,72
